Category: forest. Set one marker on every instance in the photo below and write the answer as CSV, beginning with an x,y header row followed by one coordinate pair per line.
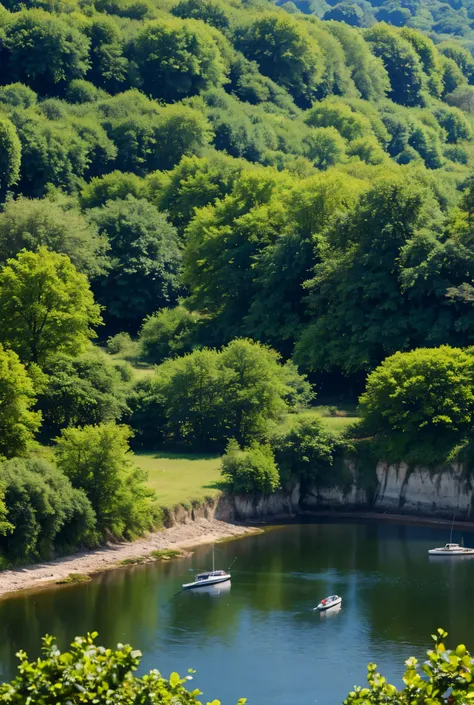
x,y
261,203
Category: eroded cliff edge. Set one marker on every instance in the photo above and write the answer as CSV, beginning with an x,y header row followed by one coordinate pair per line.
x,y
386,488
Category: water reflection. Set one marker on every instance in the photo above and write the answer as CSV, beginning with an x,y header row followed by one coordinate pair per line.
x,y
263,624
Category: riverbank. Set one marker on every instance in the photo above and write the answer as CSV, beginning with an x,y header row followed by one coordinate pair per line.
x,y
180,536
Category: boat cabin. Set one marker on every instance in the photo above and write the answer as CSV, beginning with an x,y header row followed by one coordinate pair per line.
x,y
211,574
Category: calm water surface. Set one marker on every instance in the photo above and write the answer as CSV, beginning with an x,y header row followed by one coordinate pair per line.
x,y
261,639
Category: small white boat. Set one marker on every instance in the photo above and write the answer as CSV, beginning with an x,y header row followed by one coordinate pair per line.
x,y
212,577
451,549
329,602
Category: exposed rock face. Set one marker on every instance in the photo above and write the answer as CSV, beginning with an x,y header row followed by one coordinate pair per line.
x,y
425,492
398,489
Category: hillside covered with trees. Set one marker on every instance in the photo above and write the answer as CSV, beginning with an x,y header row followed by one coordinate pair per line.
x,y
264,202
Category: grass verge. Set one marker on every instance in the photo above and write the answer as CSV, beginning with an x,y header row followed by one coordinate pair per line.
x,y
179,478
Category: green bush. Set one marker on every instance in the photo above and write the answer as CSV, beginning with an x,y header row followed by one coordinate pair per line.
x,y
168,333
306,451
18,421
446,679
420,404
203,398
46,513
97,460
251,470
119,343
80,391
89,673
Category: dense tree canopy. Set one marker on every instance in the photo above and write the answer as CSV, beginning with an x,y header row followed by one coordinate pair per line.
x,y
46,512
27,224
421,404
225,176
201,399
144,260
18,421
46,306
97,460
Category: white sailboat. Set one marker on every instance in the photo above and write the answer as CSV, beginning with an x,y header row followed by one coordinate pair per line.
x,y
451,549
212,577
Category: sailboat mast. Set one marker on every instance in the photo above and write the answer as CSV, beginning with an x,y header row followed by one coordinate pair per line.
x,y
451,535
213,559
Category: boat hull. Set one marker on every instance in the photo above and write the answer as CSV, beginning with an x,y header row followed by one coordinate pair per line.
x,y
454,554
335,603
204,583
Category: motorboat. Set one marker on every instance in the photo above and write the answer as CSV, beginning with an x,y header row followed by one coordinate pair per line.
x,y
211,577
329,602
451,549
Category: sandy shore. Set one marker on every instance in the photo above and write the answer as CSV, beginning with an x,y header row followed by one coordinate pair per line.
x,y
180,536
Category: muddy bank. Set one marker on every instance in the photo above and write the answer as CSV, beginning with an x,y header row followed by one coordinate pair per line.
x,y
180,536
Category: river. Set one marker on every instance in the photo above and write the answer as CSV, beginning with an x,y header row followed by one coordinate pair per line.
x,y
261,639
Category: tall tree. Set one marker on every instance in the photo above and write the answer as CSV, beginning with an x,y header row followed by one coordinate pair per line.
x,y
97,459
18,422
46,306
145,261
27,224
177,58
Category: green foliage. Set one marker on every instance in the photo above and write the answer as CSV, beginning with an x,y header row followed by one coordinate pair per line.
x,y
145,260
372,283
420,404
177,58
45,512
201,399
80,391
335,113
401,62
10,150
27,224
110,187
208,11
446,678
44,51
97,460
119,343
284,51
46,306
305,452
325,147
168,333
18,422
251,470
88,672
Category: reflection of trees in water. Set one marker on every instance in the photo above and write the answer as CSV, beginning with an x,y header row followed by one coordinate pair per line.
x,y
412,595
121,606
382,571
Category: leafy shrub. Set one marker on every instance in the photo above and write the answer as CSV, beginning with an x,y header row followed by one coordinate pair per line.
x,y
250,470
97,460
446,679
306,451
420,404
205,397
47,514
119,343
97,674
168,333
80,391
18,422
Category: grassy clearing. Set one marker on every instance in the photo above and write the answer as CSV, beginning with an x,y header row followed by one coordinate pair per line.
x,y
179,478
336,418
